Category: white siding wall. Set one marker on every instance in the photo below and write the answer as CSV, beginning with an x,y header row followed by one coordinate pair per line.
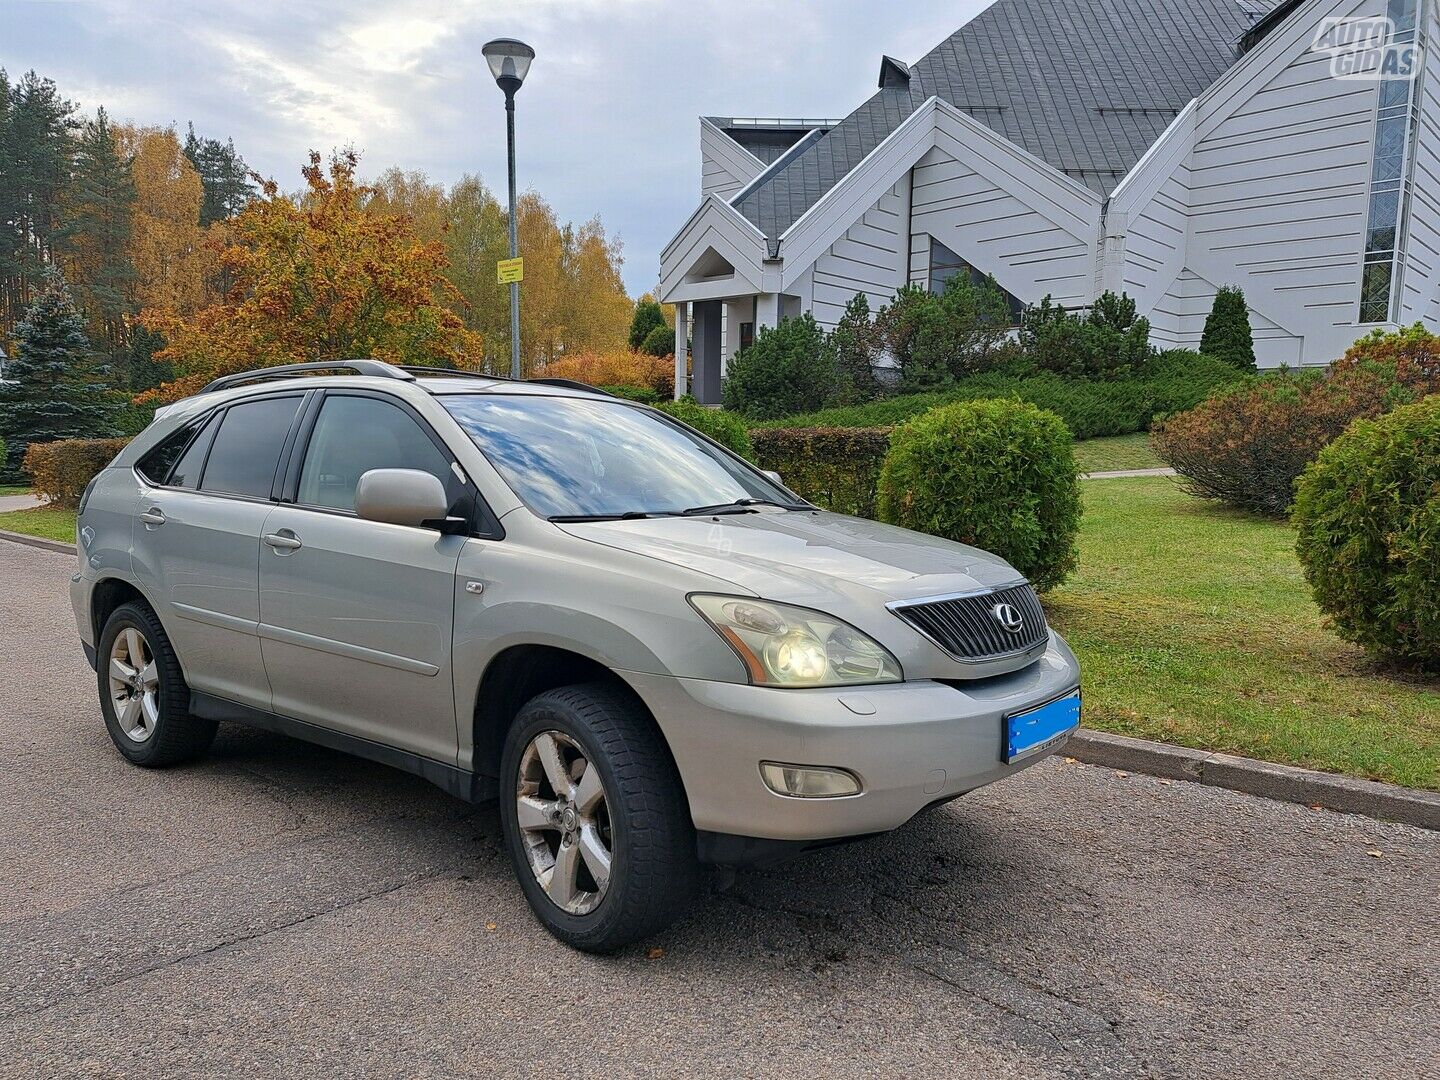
x,y
993,230
1155,244
725,165
1420,298
868,259
1278,186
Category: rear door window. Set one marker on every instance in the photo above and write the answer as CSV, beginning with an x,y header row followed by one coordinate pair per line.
x,y
156,466
247,447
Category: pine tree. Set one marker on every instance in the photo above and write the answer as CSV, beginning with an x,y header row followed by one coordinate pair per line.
x,y
856,343
36,148
54,388
1227,333
96,234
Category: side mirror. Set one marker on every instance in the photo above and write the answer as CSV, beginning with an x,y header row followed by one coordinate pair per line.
x,y
401,497
773,475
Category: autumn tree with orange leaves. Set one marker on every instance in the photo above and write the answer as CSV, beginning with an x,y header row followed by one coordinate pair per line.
x,y
314,279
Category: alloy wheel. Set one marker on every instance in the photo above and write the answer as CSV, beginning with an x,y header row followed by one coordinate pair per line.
x,y
564,822
134,685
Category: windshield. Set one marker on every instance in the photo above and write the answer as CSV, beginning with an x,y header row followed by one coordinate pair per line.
x,y
581,457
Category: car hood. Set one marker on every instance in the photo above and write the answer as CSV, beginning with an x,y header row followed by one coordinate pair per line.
x,y
808,557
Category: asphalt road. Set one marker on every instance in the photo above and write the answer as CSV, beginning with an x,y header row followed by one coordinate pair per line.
x,y
281,910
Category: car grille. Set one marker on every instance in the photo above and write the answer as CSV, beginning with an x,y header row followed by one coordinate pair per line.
x,y
967,628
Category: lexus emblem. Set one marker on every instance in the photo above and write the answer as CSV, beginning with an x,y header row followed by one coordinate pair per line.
x,y
1009,618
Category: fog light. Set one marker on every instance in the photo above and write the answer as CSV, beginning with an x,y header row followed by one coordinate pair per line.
x,y
807,782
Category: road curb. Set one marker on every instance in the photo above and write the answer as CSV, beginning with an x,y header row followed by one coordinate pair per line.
x,y
1266,779
38,541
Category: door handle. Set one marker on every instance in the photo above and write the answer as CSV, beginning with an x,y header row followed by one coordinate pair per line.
x,y
282,541
153,517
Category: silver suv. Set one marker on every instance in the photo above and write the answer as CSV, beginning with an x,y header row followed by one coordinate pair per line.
x,y
655,655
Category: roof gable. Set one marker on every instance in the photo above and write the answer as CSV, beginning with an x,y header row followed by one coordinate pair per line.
x,y
1085,85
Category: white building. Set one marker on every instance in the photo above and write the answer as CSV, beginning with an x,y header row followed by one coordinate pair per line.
x,y
1158,147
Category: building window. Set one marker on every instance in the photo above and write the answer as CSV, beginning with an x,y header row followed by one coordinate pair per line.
x,y
1390,179
945,264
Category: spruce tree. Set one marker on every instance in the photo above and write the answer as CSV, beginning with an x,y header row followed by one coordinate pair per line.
x,y
1227,333
54,389
96,235
224,177
648,316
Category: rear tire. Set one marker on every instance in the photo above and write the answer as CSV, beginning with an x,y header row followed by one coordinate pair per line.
x,y
595,818
143,694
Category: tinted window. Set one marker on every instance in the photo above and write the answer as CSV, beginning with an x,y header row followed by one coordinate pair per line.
x,y
356,434
186,473
574,456
247,447
156,465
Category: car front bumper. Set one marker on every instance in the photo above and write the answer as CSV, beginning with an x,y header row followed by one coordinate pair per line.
x,y
911,744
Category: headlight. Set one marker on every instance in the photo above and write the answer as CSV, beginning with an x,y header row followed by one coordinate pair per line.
x,y
790,646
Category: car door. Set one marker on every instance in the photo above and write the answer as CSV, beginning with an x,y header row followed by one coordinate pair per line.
x,y
196,547
357,616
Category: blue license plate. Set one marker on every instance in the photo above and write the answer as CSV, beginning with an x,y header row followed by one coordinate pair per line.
x,y
1041,729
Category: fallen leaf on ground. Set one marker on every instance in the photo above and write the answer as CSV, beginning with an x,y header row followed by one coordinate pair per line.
x,y
491,926
654,953
1376,854
1121,774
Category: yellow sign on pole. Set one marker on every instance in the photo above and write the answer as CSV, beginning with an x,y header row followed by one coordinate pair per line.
x,y
508,270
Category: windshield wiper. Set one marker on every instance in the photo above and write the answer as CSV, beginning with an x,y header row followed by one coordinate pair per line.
x,y
739,506
628,515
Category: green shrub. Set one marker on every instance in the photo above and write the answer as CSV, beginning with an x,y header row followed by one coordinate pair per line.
x,y
725,428
837,468
1091,408
788,368
659,342
648,315
643,394
1367,514
1227,333
999,475
1408,357
856,343
60,470
1107,342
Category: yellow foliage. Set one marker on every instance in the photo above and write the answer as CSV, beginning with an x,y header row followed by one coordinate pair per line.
x,y
167,245
615,367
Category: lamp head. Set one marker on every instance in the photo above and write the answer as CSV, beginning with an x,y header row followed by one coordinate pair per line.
x,y
509,62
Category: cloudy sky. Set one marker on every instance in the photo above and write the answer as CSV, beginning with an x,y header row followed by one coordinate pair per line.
x,y
607,119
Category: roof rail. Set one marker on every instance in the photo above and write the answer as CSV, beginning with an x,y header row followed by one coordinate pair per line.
x,y
281,371
425,369
572,384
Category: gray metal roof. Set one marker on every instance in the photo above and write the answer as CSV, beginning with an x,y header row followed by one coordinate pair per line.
x,y
1086,85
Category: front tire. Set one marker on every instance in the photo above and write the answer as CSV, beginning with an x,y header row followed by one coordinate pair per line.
x,y
595,818
143,694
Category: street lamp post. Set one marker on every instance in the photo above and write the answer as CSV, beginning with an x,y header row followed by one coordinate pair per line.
x,y
509,62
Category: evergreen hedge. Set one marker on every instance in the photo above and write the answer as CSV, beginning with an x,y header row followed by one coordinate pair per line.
x,y
1367,515
999,475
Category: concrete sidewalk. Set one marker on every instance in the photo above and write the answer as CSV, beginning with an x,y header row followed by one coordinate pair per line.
x,y
1121,474
20,502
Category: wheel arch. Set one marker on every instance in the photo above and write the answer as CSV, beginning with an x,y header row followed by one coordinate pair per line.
x,y
520,672
110,593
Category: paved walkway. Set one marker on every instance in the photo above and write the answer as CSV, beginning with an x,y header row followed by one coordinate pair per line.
x,y
1120,474
19,502
283,910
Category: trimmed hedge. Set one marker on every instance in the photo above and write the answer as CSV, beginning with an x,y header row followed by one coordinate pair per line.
x,y
723,427
1091,408
1367,514
837,468
60,470
999,475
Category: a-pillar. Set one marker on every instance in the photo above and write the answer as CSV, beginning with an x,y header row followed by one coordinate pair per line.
x,y
706,361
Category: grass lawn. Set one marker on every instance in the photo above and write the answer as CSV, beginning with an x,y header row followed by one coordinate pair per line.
x,y
1194,625
1115,453
52,524
14,489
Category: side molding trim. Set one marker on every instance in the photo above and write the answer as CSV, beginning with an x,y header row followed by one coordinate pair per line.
x,y
461,783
